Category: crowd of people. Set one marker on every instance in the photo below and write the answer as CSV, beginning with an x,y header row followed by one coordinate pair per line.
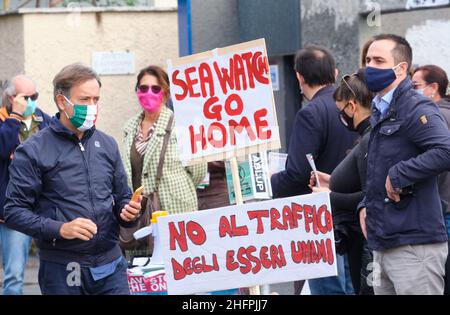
x,y
380,141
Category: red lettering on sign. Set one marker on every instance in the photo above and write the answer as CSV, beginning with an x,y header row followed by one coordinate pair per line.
x,y
258,214
181,84
231,264
179,237
206,78
274,223
262,125
197,137
225,76
217,128
191,82
310,218
195,233
312,252
231,228
194,265
324,216
211,110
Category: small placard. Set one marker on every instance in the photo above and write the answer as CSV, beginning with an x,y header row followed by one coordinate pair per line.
x,y
113,62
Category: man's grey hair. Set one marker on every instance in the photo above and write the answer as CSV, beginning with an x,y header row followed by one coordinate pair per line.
x,y
9,89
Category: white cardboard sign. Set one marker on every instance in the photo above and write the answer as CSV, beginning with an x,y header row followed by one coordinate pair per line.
x,y
260,243
223,103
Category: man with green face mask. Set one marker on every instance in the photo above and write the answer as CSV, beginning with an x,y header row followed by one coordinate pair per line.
x,y
68,189
19,120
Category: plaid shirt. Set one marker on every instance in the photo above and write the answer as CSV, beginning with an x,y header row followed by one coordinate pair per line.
x,y
177,190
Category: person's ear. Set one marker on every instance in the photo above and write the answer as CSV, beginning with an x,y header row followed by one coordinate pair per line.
x,y
60,102
404,68
301,81
336,73
300,78
434,88
352,106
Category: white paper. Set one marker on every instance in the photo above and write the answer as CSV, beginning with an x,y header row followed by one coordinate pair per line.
x,y
277,162
313,166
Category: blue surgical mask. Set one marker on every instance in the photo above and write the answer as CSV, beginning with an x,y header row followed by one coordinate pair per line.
x,y
379,79
31,108
421,91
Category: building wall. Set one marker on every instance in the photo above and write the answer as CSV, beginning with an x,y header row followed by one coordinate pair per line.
x,y
11,47
426,30
333,24
54,40
214,24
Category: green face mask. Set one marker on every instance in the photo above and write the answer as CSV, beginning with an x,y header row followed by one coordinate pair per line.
x,y
84,116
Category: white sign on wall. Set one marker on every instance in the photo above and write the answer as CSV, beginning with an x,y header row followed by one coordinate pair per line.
x,y
412,4
258,243
113,62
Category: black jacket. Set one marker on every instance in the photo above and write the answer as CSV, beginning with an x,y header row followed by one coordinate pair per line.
x,y
55,178
317,130
348,179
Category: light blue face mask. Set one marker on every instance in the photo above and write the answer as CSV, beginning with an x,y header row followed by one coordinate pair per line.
x,y
422,91
31,108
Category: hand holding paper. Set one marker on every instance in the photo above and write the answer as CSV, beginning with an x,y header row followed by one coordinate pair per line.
x,y
313,166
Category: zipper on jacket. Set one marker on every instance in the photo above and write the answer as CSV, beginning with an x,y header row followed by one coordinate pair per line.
x,y
86,165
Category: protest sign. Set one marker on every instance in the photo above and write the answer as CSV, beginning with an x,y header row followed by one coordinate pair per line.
x,y
253,177
223,103
259,243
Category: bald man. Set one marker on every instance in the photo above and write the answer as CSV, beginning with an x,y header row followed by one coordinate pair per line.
x,y
19,119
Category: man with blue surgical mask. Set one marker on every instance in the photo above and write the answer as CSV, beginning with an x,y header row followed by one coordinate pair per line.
x,y
409,146
19,119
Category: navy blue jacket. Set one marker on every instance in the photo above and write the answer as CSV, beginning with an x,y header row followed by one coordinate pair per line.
x,y
317,130
411,144
56,178
9,141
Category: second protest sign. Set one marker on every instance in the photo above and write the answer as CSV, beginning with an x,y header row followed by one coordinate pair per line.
x,y
253,244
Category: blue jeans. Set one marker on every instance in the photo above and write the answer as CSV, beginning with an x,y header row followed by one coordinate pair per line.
x,y
15,248
338,285
447,223
72,279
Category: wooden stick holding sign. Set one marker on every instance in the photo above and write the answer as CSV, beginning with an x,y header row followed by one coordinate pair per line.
x,y
239,201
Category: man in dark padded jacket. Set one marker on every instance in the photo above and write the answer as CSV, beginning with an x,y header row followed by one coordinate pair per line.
x,y
68,189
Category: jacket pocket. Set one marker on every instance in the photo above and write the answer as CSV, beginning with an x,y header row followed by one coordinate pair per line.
x,y
401,217
390,141
390,129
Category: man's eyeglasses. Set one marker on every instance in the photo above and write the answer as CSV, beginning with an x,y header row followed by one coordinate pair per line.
x,y
145,88
347,77
32,97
